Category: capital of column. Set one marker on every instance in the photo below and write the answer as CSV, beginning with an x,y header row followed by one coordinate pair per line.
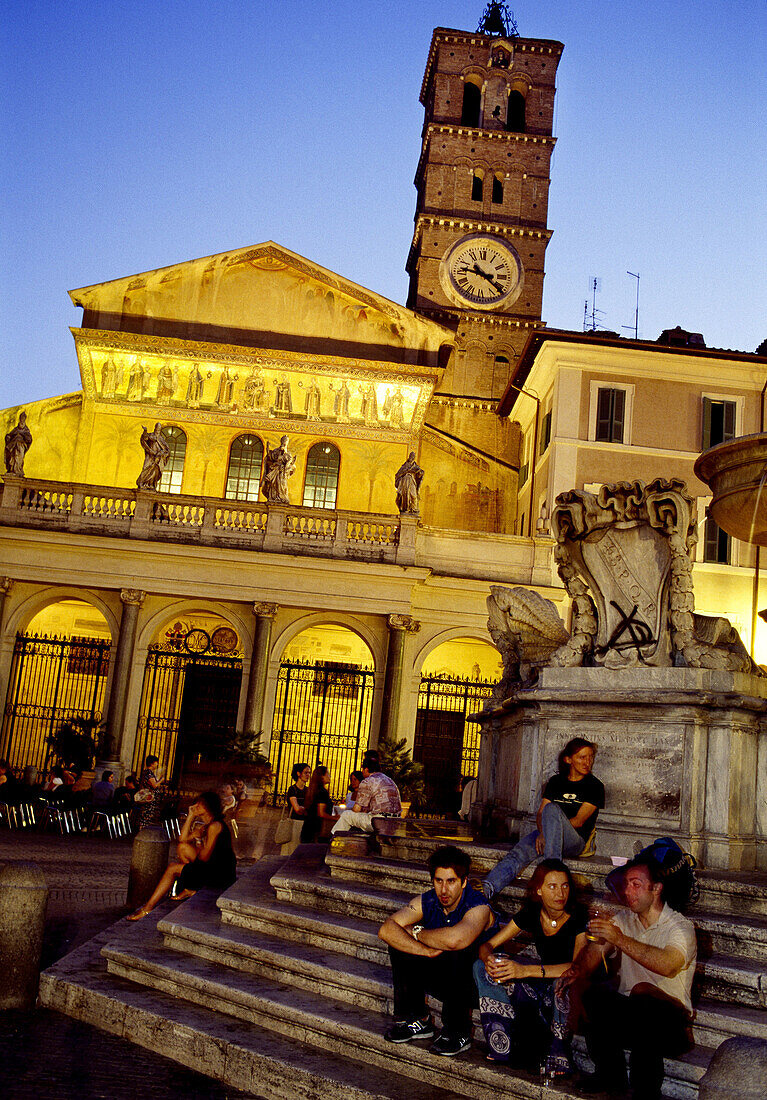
x,y
404,622
6,583
132,596
265,610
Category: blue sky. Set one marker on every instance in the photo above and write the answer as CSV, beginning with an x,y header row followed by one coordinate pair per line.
x,y
139,135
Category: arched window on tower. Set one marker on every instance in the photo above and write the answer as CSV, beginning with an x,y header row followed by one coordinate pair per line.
x,y
243,475
515,113
497,189
472,102
321,482
173,474
476,186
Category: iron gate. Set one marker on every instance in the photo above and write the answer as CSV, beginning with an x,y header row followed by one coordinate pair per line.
x,y
188,709
321,715
444,744
52,681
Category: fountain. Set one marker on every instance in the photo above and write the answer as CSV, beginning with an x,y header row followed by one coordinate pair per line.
x,y
736,472
672,698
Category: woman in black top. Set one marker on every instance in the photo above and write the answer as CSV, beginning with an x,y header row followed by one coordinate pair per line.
x,y
318,805
557,926
566,818
297,793
205,856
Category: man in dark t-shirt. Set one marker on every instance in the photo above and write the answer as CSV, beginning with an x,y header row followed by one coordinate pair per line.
x,y
566,816
433,943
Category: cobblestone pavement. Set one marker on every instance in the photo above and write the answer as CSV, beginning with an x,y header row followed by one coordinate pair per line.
x,y
48,1056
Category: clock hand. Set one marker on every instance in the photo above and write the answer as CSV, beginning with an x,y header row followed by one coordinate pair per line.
x,y
496,286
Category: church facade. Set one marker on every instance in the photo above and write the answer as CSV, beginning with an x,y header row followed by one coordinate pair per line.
x,y
181,616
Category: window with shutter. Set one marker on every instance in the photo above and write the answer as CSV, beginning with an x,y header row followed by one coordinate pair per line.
x,y
611,415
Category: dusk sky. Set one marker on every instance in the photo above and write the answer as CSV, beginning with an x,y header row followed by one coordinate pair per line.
x,y
138,135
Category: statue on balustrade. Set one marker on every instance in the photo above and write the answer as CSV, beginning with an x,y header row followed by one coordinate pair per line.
x,y
279,465
156,455
17,443
407,482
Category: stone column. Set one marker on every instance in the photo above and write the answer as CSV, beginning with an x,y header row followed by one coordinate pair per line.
x,y
6,652
132,600
259,665
399,627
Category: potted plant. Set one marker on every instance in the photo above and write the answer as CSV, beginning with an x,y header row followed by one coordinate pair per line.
x,y
398,764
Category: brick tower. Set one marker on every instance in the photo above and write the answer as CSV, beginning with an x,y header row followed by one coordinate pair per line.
x,y
476,262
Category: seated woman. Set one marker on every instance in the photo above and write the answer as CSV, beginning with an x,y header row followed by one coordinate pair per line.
x,y
205,859
567,816
557,926
318,805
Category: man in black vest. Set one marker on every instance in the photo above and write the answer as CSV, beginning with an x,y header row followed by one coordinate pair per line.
x,y
433,943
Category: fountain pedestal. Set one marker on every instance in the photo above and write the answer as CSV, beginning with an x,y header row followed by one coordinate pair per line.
x,y
682,753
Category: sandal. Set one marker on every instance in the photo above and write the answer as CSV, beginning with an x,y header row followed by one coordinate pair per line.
x,y
139,914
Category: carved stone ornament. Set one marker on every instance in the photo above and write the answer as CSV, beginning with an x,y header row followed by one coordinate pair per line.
x,y
6,583
624,558
404,622
526,629
132,596
265,610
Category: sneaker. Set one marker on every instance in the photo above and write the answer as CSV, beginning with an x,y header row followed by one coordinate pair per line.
x,y
450,1045
405,1031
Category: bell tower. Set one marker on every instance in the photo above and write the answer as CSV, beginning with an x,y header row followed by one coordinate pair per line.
x,y
476,262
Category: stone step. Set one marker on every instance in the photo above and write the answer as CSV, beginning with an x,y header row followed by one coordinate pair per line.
x,y
257,1061
732,961
339,1027
737,892
731,934
195,929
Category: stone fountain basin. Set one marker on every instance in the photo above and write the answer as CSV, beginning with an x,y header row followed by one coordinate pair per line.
x,y
736,472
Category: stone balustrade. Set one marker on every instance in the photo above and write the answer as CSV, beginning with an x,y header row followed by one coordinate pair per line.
x,y
237,524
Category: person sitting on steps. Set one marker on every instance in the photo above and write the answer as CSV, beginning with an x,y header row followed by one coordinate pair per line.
x,y
433,943
566,816
205,859
377,796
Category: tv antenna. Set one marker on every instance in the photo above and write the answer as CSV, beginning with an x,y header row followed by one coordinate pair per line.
x,y
634,275
593,323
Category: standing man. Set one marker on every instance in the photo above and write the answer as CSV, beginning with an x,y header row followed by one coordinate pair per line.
x,y
377,796
433,944
650,1012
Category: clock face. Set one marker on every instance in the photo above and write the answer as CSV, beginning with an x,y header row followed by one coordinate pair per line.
x,y
481,271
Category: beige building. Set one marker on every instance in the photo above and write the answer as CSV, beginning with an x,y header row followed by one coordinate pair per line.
x,y
595,408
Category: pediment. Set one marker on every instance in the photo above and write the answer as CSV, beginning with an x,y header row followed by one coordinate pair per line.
x,y
264,288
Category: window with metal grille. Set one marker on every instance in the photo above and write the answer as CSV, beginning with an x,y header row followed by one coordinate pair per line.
x,y
321,482
243,475
173,474
717,543
718,422
611,415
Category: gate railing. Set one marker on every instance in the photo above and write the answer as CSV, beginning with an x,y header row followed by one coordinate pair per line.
x,y
321,716
53,680
162,698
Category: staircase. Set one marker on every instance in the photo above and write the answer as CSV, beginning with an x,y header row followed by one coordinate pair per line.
x,y
281,988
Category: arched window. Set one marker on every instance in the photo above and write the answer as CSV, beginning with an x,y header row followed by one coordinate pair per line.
x,y
321,484
173,474
476,186
244,473
472,101
497,189
515,113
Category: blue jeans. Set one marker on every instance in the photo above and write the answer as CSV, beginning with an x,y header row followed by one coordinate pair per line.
x,y
560,841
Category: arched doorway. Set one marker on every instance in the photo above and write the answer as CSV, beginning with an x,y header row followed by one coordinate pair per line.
x,y
456,679
58,674
190,696
323,704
